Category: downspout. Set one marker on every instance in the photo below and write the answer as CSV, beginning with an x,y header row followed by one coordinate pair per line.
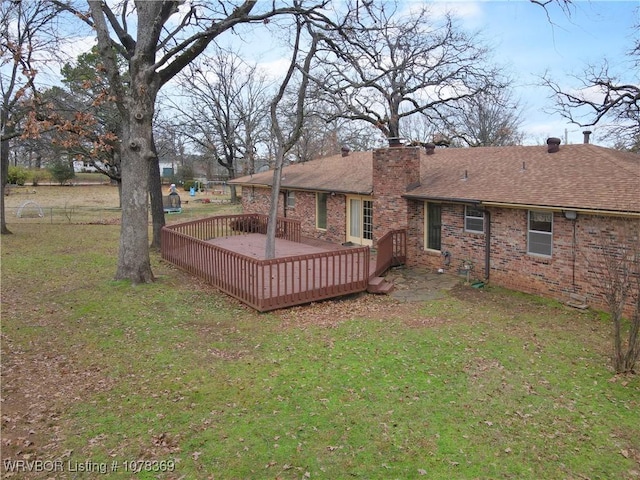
x,y
285,194
487,246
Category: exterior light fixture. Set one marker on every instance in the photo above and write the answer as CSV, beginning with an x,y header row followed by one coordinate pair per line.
x,y
570,214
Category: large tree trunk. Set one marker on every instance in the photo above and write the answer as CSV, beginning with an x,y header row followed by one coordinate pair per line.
x,y
134,263
4,173
234,193
157,208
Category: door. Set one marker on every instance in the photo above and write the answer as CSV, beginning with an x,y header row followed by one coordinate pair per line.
x,y
360,220
433,228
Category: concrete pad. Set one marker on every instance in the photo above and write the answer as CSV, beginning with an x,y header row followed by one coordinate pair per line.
x,y
420,284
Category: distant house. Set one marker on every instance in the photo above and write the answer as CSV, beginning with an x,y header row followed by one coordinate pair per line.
x,y
531,218
80,166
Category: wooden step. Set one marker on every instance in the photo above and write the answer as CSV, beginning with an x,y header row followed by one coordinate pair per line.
x,y
379,285
577,301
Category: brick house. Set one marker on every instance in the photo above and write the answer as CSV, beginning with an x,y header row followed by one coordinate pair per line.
x,y
531,218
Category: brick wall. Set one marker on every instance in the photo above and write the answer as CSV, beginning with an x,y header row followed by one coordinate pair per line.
x,y
577,244
258,200
574,266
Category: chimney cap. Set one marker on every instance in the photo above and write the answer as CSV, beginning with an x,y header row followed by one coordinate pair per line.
x,y
430,148
553,144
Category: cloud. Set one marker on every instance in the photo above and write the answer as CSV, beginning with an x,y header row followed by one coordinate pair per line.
x,y
469,13
274,69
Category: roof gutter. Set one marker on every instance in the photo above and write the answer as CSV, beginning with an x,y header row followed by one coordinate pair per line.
x,y
467,201
591,211
300,189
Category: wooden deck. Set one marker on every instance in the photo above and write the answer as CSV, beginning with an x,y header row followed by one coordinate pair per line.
x,y
254,246
229,255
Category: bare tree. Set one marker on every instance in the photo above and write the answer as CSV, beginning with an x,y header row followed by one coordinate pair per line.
x,y
285,140
566,6
615,259
487,119
605,95
26,35
158,40
383,66
225,107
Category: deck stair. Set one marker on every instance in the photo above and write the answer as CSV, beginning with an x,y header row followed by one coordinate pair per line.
x,y
379,285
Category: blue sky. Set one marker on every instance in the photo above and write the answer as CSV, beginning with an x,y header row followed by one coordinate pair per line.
x,y
529,41
529,45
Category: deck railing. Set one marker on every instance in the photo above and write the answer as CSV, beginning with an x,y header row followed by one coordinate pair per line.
x,y
228,225
392,251
263,284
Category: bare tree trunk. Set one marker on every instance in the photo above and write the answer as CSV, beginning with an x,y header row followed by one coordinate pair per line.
x,y
234,193
283,145
134,263
157,208
270,249
4,173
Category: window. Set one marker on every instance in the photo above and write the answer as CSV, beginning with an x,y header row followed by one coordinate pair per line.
x,y
433,225
540,234
321,211
291,199
473,220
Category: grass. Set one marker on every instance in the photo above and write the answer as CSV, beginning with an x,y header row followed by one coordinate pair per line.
x,y
94,204
480,384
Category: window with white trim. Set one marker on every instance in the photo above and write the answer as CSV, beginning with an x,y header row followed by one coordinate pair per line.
x,y
291,199
321,211
540,233
433,226
473,219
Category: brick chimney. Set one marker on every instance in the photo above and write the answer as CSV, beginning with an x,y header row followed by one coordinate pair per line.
x,y
586,134
395,170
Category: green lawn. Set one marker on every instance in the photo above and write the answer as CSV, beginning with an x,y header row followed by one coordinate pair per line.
x,y
481,384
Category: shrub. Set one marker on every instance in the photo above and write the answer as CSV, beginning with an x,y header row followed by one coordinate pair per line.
x,y
17,175
38,175
249,225
61,171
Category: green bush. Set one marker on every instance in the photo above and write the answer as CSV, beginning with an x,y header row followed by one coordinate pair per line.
x,y
61,172
17,175
38,175
188,184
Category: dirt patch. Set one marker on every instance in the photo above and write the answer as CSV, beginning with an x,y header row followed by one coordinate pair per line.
x,y
331,313
38,387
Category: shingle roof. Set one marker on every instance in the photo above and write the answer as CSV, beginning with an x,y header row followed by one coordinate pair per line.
x,y
577,176
351,174
582,176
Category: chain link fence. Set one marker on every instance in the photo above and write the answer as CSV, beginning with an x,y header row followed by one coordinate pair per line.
x,y
31,212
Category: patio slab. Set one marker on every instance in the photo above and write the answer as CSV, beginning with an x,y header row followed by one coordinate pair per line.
x,y
420,284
